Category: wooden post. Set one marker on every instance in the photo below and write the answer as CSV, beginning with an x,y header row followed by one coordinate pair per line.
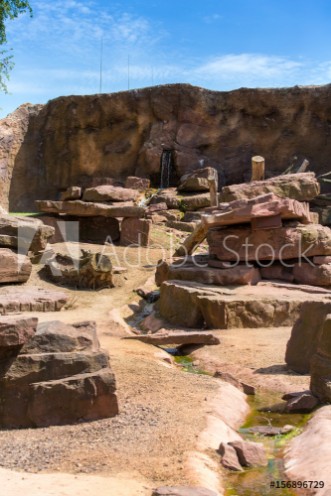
x,y
258,167
213,188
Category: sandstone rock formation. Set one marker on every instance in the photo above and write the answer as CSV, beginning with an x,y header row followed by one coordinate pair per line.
x,y
306,334
13,267
15,299
320,367
301,187
71,139
54,376
27,233
225,308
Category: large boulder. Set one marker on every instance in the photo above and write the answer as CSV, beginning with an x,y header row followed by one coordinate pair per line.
x,y
107,193
135,232
13,267
197,180
27,233
305,335
194,305
15,332
320,370
242,243
301,187
57,375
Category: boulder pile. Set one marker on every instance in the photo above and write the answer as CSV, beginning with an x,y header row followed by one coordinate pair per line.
x,y
53,373
260,234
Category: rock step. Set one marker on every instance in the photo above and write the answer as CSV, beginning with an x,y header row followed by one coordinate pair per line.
x,y
195,305
89,209
177,338
18,299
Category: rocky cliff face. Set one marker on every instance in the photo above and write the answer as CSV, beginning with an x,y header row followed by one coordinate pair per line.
x,y
44,149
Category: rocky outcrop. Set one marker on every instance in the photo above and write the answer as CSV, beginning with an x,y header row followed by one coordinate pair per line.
x,y
194,305
72,139
305,335
55,375
300,187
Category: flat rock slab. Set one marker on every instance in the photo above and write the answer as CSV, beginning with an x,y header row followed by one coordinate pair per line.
x,y
88,209
31,299
177,338
16,331
301,187
194,305
307,456
183,491
13,267
106,193
234,244
239,275
261,207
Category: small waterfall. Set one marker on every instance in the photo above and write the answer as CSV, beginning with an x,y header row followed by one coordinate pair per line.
x,y
166,163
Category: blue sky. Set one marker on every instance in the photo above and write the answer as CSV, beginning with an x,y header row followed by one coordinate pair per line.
x,y
217,44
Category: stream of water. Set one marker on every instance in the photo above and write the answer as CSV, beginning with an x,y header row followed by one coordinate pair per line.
x,y
166,159
256,481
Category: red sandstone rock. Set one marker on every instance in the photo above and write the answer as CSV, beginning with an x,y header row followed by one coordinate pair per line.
x,y
278,272
304,402
107,193
301,187
175,337
305,273
250,454
305,335
322,260
240,274
139,183
269,244
135,232
156,207
13,267
229,457
71,193
88,209
182,491
17,299
197,180
16,331
28,233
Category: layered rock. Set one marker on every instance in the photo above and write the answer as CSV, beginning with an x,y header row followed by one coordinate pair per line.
x,y
15,299
74,138
194,305
89,209
301,187
241,243
57,375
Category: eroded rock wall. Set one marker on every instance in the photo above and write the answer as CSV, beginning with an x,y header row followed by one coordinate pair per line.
x,y
47,148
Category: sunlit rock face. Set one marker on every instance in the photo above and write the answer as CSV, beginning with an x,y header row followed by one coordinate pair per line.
x,y
45,149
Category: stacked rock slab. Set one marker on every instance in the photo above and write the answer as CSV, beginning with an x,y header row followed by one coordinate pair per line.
x,y
52,374
98,210
272,232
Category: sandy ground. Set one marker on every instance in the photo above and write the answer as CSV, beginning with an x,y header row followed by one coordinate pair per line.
x,y
162,409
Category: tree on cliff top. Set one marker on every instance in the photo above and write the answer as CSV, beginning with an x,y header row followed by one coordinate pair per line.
x,y
9,9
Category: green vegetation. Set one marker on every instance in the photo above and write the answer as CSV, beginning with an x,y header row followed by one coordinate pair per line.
x,y
9,10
